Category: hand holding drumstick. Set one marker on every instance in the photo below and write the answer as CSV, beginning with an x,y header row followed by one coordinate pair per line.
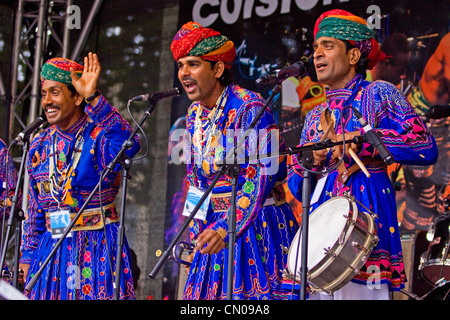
x,y
328,127
349,149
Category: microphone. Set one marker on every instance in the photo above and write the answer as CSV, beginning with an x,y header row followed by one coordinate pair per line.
x,y
373,138
155,97
297,69
25,134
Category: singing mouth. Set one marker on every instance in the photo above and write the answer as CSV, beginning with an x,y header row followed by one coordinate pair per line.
x,y
189,85
320,65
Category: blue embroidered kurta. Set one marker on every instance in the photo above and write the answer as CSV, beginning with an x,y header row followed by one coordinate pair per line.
x,y
8,180
260,230
404,134
83,265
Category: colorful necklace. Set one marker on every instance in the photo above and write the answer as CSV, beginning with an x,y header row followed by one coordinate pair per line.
x,y
207,131
60,178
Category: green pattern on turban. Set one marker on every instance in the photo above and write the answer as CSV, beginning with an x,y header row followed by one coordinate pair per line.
x,y
343,25
342,29
207,45
58,69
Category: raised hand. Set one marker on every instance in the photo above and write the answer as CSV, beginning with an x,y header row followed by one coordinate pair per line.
x,y
87,84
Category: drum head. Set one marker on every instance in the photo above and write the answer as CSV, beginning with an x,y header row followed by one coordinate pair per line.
x,y
326,225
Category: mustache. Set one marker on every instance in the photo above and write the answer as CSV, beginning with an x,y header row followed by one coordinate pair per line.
x,y
51,105
189,78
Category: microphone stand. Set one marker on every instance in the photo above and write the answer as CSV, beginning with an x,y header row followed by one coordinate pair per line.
x,y
306,197
16,217
126,163
233,170
307,162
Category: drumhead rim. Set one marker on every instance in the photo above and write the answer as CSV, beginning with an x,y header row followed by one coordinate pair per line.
x,y
358,261
336,247
369,243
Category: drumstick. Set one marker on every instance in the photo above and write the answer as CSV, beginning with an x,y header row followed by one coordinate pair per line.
x,y
358,161
325,134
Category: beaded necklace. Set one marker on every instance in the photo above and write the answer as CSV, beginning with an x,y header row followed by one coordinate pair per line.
x,y
60,179
206,131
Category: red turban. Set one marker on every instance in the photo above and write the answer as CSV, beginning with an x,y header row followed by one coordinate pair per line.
x,y
194,40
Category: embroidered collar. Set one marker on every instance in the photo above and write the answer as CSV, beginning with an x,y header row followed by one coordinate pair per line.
x,y
74,128
347,90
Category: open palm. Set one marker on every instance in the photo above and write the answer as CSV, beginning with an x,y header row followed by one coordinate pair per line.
x,y
87,84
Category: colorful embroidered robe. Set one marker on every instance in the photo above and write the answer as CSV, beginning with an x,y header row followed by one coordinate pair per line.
x,y
385,108
8,180
82,267
261,230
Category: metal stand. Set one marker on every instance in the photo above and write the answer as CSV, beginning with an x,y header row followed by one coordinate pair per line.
x,y
126,163
306,197
234,171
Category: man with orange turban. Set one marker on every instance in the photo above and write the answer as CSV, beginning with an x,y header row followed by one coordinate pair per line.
x,y
344,47
220,113
194,40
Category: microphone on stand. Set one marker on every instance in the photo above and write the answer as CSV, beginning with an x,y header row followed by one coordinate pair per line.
x,y
297,69
373,138
156,96
25,134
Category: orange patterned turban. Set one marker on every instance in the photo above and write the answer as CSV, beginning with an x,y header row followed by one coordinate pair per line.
x,y
194,40
343,25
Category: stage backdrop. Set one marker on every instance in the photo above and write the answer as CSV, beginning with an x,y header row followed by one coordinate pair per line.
x,y
271,34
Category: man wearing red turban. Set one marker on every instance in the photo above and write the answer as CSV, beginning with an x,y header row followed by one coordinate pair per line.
x,y
220,113
194,40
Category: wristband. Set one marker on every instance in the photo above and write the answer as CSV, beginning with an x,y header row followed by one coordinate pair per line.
x,y
92,96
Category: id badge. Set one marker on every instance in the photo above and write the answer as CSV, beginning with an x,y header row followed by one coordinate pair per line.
x,y
193,197
59,221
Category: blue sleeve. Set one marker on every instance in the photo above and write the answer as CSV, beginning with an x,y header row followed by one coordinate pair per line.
x,y
115,129
401,130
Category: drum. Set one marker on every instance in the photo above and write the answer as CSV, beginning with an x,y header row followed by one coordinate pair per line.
x,y
435,262
340,239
